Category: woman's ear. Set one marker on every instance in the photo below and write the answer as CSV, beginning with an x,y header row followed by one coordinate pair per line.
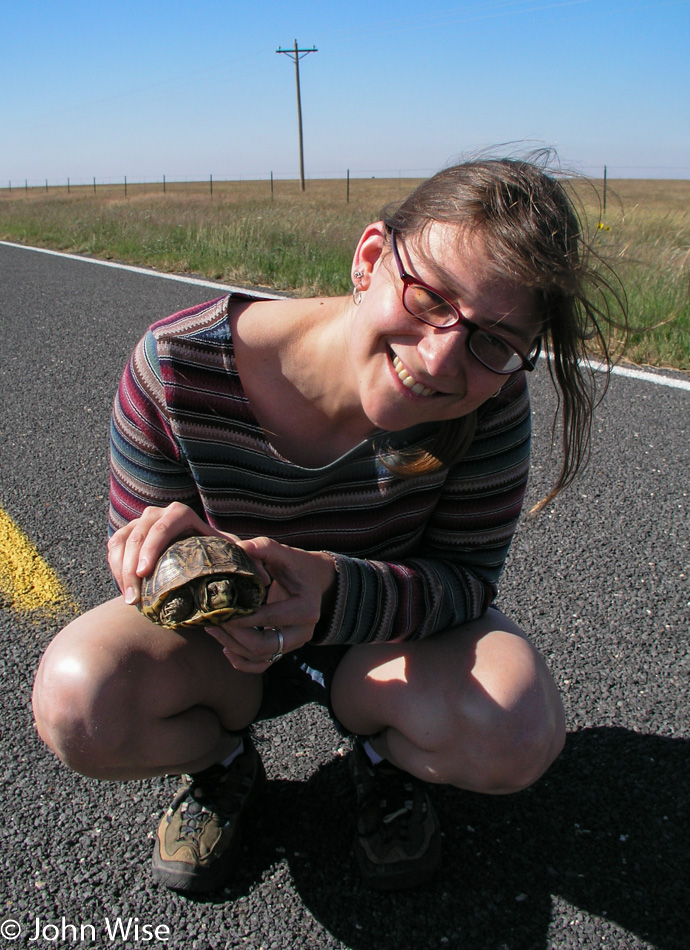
x,y
367,254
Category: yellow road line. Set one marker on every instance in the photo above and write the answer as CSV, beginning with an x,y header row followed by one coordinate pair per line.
x,y
27,582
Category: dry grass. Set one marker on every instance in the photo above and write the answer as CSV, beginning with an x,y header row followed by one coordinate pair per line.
x,y
645,236
295,242
302,242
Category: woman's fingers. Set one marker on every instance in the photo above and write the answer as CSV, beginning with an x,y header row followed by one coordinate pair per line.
x,y
253,652
135,548
300,577
301,583
164,525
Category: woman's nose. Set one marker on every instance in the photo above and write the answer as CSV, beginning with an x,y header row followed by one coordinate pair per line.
x,y
443,350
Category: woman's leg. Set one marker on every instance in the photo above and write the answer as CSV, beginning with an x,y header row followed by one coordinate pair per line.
x,y
117,697
474,707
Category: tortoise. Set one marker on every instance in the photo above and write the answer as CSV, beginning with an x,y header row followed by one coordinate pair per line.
x,y
199,581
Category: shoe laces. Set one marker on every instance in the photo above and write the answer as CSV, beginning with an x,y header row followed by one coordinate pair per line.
x,y
395,791
215,791
390,800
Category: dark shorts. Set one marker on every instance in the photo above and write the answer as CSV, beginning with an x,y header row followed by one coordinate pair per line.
x,y
304,676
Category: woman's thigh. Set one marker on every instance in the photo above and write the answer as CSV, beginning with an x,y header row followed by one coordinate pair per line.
x,y
475,706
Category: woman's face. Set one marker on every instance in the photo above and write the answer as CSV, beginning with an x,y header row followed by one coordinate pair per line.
x,y
408,372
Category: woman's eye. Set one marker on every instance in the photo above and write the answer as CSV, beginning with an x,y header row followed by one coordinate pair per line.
x,y
495,342
428,303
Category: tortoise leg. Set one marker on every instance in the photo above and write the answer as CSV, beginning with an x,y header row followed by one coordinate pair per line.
x,y
178,606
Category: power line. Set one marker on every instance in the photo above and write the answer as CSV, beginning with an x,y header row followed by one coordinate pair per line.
x,y
296,54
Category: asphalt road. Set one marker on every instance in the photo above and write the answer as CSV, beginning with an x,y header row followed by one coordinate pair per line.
x,y
595,855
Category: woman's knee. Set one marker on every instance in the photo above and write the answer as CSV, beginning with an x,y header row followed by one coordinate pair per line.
x,y
512,747
85,697
497,719
512,723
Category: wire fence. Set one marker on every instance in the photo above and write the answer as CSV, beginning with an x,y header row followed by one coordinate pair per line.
x,y
207,183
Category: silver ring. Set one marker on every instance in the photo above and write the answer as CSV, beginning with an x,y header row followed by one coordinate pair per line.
x,y
278,655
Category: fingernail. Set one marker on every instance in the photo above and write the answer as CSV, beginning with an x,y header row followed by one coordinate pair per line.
x,y
143,565
130,596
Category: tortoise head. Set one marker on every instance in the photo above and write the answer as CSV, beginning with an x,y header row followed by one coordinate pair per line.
x,y
217,593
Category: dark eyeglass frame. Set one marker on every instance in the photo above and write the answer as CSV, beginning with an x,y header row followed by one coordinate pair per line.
x,y
528,363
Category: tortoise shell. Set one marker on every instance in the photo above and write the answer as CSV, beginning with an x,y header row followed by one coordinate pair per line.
x,y
201,580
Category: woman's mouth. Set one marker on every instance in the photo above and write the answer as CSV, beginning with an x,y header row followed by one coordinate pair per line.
x,y
409,381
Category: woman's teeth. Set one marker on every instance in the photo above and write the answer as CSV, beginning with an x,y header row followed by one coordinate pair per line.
x,y
410,381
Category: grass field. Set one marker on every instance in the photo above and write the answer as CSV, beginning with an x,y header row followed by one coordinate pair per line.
x,y
302,242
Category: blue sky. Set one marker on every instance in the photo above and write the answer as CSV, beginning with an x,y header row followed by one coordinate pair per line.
x,y
144,88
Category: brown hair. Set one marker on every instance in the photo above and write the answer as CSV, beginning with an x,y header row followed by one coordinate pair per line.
x,y
531,233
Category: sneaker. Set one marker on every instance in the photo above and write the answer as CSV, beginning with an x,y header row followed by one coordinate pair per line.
x,y
199,836
398,841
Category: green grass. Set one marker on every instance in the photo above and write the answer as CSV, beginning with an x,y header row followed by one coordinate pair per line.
x,y
303,243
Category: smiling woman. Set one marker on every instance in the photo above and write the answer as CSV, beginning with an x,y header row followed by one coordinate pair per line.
x,y
369,452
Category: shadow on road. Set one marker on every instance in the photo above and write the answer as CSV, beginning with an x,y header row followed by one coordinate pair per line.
x,y
602,830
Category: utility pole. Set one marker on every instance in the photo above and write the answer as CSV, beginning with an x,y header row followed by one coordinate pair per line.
x,y
296,55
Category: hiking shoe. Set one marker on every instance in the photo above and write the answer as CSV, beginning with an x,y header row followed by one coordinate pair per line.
x,y
398,841
199,836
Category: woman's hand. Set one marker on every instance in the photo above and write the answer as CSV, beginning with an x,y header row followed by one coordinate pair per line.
x,y
302,584
135,548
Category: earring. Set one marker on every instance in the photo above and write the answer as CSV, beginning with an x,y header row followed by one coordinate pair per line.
x,y
357,293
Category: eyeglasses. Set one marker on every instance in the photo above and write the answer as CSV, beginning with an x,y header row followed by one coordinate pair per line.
x,y
429,306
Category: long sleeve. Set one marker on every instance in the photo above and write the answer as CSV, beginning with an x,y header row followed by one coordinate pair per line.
x,y
147,466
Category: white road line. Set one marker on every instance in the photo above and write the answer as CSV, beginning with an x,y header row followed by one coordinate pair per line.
x,y
228,288
657,379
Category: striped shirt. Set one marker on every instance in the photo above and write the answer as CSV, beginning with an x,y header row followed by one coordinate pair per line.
x,y
413,555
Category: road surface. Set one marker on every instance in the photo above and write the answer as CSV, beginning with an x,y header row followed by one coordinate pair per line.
x,y
595,855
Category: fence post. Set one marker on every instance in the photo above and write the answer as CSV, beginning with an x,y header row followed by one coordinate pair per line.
x,y
163,184
26,187
125,186
348,186
271,186
68,186
46,185
604,190
210,184
94,185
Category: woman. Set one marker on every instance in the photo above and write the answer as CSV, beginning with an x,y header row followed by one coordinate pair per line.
x,y
370,454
